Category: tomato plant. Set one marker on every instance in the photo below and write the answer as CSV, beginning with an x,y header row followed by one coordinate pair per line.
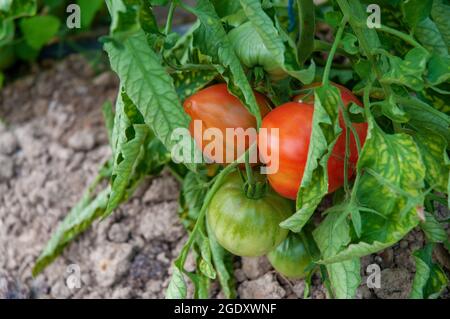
x,y
382,133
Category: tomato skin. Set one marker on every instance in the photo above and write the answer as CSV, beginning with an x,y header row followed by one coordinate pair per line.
x,y
291,258
217,108
294,121
244,226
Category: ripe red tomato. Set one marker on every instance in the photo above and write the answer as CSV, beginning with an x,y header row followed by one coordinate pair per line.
x,y
217,108
294,121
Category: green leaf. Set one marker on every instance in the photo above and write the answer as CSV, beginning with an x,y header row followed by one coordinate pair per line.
x,y
13,9
437,100
213,41
129,151
392,110
108,116
159,2
202,285
333,18
272,40
332,235
38,30
430,280
194,189
136,153
408,71
205,262
349,42
124,17
7,56
433,150
324,134
187,83
424,118
415,11
440,13
7,31
391,180
177,288
430,37
226,8
24,51
148,86
433,230
438,69
76,222
307,30
223,263
147,18
88,10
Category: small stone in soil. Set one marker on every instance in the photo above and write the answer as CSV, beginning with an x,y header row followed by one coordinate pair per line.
x,y
81,141
265,287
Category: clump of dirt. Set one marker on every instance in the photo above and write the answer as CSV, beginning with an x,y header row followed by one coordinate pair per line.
x,y
52,143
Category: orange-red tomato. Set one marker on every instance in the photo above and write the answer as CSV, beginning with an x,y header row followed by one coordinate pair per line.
x,y
217,108
294,121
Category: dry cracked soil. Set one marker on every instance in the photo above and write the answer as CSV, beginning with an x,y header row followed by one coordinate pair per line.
x,y
52,142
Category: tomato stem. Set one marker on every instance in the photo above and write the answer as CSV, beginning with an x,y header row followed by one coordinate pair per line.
x,y
348,126
405,37
326,73
248,170
168,27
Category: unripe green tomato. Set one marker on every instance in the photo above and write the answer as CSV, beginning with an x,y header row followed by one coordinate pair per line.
x,y
252,52
290,258
244,226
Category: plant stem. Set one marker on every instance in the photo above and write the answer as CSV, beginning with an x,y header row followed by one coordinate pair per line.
x,y
347,150
168,28
320,45
248,169
326,73
405,37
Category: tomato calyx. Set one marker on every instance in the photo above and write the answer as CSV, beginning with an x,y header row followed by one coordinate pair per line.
x,y
255,190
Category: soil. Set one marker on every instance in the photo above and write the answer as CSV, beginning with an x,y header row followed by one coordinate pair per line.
x,y
52,142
